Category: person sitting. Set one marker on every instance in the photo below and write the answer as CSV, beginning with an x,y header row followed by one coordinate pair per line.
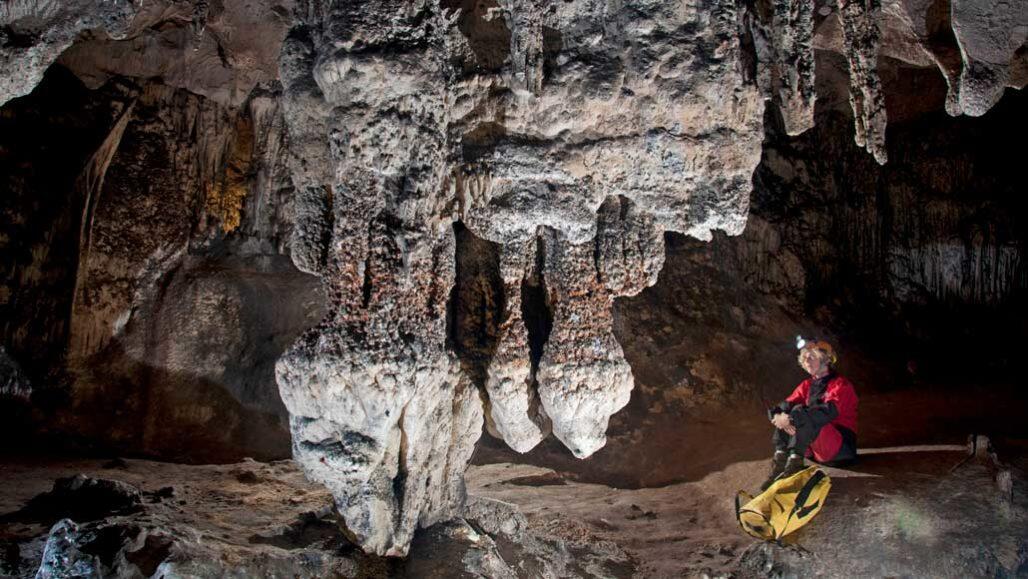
x,y
818,420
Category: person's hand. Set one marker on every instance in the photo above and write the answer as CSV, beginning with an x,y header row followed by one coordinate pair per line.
x,y
781,421
790,430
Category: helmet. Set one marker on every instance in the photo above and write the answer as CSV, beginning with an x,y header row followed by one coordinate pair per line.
x,y
815,344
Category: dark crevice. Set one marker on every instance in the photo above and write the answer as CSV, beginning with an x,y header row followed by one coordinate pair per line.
x,y
366,284
477,303
12,39
535,308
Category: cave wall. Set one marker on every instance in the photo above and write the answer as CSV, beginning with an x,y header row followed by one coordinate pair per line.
x,y
924,255
147,287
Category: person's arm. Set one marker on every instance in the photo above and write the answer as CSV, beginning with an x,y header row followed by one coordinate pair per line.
x,y
816,415
797,397
781,408
820,413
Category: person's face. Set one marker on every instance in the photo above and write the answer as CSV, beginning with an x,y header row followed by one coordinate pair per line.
x,y
812,362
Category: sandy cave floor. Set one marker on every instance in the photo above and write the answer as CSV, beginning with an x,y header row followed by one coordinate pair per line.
x,y
901,512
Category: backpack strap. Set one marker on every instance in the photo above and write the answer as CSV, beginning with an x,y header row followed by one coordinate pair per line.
x,y
803,495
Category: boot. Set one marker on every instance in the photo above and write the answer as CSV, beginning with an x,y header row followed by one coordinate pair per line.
x,y
777,468
794,465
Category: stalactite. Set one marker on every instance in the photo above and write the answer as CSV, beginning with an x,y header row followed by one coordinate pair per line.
x,y
513,401
790,34
862,38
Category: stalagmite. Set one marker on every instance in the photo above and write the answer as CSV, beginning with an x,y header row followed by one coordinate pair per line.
x,y
381,412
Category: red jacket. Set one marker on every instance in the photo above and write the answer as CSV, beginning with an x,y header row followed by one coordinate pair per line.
x,y
839,391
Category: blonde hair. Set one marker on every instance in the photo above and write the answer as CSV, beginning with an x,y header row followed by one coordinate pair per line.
x,y
823,350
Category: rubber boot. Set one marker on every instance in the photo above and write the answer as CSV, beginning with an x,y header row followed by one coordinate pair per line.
x,y
777,468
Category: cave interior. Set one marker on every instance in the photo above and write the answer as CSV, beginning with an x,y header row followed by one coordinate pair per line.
x,y
505,288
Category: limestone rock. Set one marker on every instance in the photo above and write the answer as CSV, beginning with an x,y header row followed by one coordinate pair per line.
x,y
401,120
514,406
597,128
989,35
583,376
381,411
862,39
789,33
220,50
494,540
208,521
33,34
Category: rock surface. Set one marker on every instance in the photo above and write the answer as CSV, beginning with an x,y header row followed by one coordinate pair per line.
x,y
13,382
134,518
33,34
396,133
146,268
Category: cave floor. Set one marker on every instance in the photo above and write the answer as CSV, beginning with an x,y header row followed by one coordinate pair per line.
x,y
912,506
915,511
902,510
899,512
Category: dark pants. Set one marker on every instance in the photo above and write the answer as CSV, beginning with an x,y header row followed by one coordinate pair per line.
x,y
829,444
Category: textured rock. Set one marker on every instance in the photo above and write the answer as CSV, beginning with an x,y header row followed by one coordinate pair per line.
x,y
219,50
514,406
628,127
396,121
583,376
862,39
381,411
145,265
989,35
33,34
977,46
13,382
494,540
785,41
141,519
569,136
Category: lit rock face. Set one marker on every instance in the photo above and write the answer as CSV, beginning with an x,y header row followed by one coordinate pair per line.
x,y
514,407
595,137
978,46
381,412
635,111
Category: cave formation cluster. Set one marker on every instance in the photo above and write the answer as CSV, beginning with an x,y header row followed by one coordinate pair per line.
x,y
347,139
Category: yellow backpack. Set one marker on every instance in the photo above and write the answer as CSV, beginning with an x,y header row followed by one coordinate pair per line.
x,y
788,504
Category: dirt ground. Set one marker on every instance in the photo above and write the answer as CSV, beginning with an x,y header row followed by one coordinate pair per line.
x,y
664,491
912,506
900,512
